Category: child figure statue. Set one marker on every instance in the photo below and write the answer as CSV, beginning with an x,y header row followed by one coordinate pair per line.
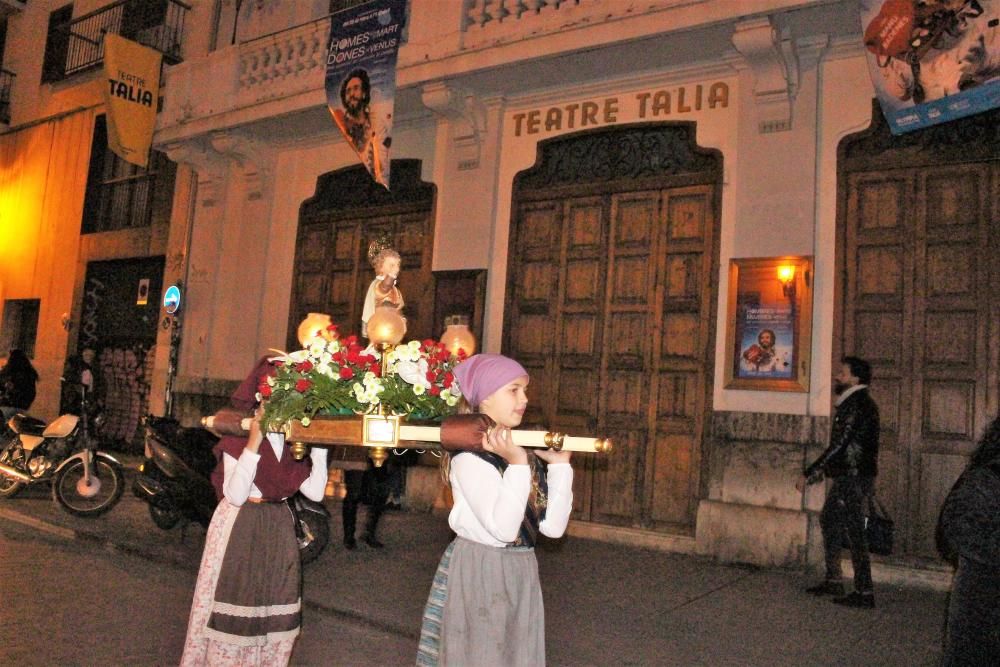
x,y
383,290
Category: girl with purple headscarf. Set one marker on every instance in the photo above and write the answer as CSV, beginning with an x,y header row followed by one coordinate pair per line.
x,y
485,606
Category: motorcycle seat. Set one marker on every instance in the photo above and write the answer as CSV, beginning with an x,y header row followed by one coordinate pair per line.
x,y
27,425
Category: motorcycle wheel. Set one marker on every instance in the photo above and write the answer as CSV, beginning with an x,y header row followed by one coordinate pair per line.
x,y
317,527
64,487
165,518
9,487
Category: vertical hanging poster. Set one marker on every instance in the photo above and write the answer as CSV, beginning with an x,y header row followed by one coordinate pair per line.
x,y
361,79
130,96
932,61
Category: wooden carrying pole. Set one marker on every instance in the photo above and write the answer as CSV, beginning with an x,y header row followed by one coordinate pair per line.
x,y
349,431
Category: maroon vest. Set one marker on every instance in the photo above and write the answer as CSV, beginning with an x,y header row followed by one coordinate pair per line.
x,y
275,479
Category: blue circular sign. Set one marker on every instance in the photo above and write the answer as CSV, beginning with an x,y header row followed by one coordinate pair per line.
x,y
172,299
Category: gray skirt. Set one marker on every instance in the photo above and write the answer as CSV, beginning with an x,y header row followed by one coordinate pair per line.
x,y
485,608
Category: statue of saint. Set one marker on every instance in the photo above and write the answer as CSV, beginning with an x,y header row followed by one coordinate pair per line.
x,y
383,290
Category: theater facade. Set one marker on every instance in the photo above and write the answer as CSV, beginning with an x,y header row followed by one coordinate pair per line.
x,y
580,178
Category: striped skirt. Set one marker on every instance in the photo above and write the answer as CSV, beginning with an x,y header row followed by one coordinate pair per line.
x,y
247,602
485,608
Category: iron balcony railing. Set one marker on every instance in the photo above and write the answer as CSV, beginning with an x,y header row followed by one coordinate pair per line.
x,y
6,83
158,24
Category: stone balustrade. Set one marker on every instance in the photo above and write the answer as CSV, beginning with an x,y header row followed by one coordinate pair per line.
x,y
284,63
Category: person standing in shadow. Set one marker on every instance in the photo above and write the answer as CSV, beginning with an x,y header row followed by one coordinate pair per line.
x,y
370,486
17,383
968,535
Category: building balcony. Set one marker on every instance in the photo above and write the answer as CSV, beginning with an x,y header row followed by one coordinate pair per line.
x,y
78,45
6,84
11,7
484,47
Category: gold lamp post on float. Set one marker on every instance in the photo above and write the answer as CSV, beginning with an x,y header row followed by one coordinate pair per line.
x,y
314,324
457,336
380,430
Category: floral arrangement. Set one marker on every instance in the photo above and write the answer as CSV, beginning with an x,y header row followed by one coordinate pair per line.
x,y
334,376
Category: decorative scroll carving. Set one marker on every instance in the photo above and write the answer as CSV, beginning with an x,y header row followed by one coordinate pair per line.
x,y
622,152
969,139
254,158
352,188
775,72
467,116
206,162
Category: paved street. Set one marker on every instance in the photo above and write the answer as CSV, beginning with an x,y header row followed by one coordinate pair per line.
x,y
115,590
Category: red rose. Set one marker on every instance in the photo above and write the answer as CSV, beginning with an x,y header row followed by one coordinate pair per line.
x,y
304,367
265,390
449,378
434,391
303,385
346,373
429,343
377,370
351,340
431,376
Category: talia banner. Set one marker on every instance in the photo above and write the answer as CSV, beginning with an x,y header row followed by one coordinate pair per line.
x,y
361,79
130,95
932,60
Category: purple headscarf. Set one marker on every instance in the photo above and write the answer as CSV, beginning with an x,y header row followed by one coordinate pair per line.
x,y
482,374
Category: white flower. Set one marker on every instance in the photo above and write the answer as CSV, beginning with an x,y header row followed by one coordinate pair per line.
x,y
306,421
258,397
414,345
418,389
452,401
271,381
414,373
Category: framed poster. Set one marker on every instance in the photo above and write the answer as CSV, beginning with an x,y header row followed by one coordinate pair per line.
x,y
769,324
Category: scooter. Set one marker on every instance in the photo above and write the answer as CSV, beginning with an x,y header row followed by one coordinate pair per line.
x,y
85,481
175,481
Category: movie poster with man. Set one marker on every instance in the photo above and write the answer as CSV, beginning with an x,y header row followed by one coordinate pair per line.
x,y
766,335
932,61
361,79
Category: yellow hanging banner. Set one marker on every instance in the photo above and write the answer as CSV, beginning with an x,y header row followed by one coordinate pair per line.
x,y
130,95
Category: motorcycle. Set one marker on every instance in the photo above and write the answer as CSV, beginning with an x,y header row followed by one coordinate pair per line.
x,y
85,481
175,481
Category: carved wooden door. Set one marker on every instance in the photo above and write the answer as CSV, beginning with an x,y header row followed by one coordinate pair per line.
x,y
348,212
609,307
921,293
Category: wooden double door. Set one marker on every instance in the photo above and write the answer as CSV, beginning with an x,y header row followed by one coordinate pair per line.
x,y
348,212
921,300
610,308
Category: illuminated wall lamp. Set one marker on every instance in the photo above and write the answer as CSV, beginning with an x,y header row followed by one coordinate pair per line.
x,y
786,276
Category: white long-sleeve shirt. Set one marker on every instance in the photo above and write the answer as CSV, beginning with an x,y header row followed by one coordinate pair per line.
x,y
238,483
489,507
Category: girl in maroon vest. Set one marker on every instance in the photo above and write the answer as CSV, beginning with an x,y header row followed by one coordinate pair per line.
x,y
248,597
485,606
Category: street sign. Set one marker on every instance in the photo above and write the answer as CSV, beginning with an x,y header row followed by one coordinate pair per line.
x,y
172,299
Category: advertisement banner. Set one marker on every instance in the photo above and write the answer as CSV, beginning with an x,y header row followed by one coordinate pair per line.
x,y
932,60
131,94
361,79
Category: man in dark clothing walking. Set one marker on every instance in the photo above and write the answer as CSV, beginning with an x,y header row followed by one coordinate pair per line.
x,y
851,461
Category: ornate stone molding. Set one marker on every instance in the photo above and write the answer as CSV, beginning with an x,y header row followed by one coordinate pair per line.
x,y
254,157
467,118
619,152
208,164
775,67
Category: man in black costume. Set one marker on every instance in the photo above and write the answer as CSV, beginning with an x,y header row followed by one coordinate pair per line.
x,y
851,461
